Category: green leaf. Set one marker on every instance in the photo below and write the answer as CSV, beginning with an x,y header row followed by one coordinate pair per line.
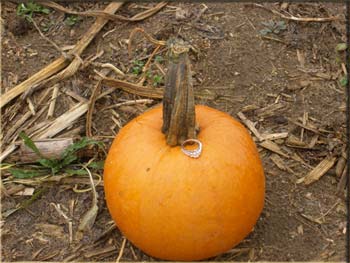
x,y
49,163
265,31
21,9
341,47
97,165
23,174
30,144
71,149
139,63
72,20
76,172
343,81
29,8
136,70
69,155
158,58
281,25
268,24
68,160
45,11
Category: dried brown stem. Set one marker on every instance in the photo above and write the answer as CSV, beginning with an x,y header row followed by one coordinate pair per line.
x,y
145,68
133,88
178,101
147,36
91,108
155,93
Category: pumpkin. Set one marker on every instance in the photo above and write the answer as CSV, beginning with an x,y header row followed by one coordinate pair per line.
x,y
174,207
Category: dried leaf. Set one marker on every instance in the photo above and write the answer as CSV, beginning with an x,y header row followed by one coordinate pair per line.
x,y
89,218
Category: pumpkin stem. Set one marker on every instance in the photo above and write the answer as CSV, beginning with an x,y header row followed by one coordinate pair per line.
x,y
178,101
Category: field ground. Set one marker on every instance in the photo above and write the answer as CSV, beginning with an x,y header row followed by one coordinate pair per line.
x,y
285,76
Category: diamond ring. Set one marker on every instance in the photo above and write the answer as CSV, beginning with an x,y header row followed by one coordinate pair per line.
x,y
192,153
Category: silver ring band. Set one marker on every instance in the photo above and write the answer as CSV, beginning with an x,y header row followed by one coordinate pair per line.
x,y
192,153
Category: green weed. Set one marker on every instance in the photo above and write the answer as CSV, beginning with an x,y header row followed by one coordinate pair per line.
x,y
53,166
273,27
29,8
72,20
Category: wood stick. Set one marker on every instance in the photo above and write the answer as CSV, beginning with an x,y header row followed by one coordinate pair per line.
x,y
320,170
121,250
273,147
250,125
275,136
63,121
49,148
343,181
53,101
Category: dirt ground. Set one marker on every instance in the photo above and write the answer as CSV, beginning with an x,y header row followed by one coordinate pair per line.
x,y
250,58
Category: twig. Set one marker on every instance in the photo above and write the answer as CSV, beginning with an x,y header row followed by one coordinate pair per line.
x,y
250,125
114,68
91,108
131,102
75,96
305,119
53,101
91,59
108,32
275,136
88,219
155,93
147,36
343,181
274,39
273,147
143,78
134,88
300,19
48,40
31,106
76,190
121,250
160,68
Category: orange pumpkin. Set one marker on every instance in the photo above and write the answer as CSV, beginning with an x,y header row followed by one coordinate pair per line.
x,y
179,208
